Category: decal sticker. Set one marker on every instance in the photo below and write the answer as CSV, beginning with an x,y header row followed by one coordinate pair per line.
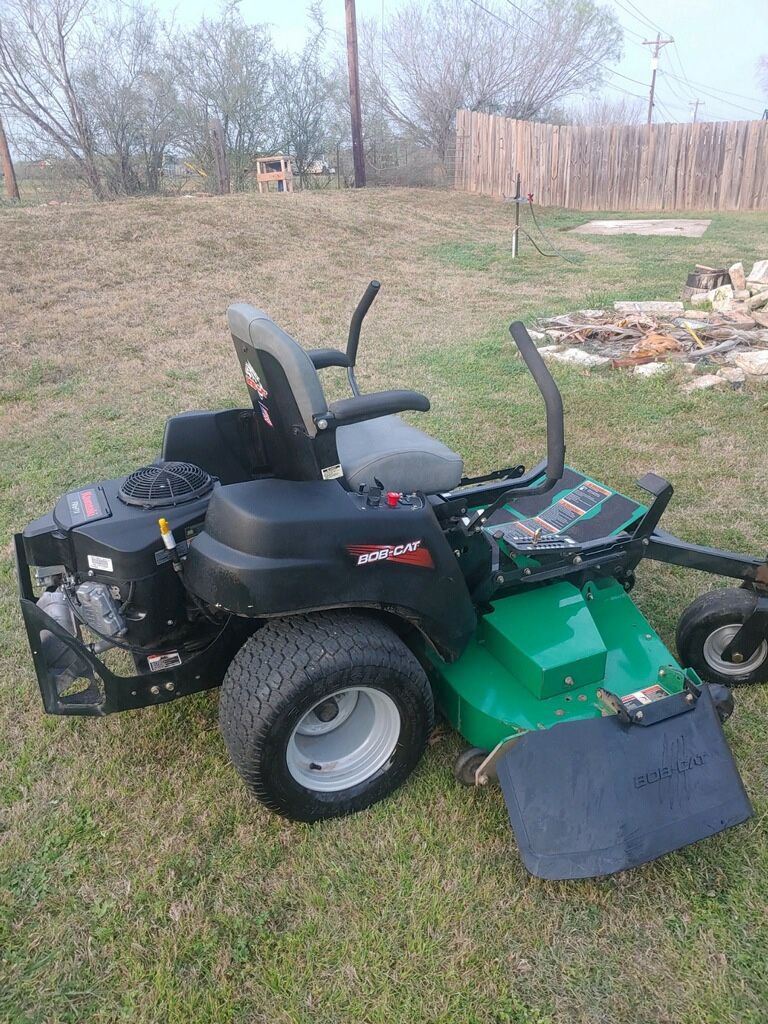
x,y
332,472
102,564
633,701
558,517
265,414
409,553
253,381
158,662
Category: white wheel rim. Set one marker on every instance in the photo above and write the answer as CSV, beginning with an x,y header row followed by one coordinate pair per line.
x,y
716,643
327,755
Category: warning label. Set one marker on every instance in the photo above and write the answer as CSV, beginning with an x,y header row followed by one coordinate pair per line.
x,y
635,700
561,515
159,662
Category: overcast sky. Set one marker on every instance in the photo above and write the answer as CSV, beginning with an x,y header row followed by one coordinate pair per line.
x,y
717,41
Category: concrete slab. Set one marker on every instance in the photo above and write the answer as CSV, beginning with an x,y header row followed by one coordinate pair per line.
x,y
683,228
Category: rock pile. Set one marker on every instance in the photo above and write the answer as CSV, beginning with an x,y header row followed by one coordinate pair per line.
x,y
729,339
746,295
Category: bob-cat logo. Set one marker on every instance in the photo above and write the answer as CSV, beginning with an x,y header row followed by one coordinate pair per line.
x,y
408,553
253,381
683,764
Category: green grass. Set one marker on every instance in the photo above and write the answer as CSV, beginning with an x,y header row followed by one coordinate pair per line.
x,y
138,882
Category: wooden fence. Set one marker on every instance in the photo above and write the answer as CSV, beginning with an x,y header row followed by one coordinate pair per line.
x,y
705,166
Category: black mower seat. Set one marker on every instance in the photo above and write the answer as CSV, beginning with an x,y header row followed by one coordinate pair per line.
x,y
288,397
399,456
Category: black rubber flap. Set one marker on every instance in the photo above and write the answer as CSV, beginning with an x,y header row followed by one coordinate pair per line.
x,y
590,798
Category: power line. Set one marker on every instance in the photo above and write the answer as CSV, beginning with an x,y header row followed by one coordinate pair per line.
x,y
664,110
601,64
679,60
703,85
630,31
670,79
643,17
544,29
683,77
719,99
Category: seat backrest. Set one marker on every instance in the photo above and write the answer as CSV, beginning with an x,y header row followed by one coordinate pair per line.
x,y
285,391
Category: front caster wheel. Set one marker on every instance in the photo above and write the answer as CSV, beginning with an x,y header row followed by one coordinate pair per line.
x,y
467,763
324,714
707,627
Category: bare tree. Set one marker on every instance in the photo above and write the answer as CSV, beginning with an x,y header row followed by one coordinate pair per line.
x,y
606,110
127,89
158,129
40,44
378,126
443,55
223,69
762,73
302,98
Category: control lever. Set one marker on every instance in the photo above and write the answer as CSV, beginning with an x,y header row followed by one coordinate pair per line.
x,y
553,402
354,332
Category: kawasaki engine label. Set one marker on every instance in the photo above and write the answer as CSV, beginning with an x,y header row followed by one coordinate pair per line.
x,y
87,506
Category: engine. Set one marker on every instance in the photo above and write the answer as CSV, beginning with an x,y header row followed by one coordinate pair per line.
x,y
109,557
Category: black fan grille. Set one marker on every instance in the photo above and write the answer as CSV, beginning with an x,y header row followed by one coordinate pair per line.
x,y
164,484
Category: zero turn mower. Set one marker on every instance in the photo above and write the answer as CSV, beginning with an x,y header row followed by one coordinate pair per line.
x,y
331,567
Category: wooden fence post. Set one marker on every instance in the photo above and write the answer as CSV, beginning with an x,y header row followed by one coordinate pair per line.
x,y
220,159
9,172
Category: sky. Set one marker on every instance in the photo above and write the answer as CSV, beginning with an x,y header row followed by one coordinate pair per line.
x,y
716,48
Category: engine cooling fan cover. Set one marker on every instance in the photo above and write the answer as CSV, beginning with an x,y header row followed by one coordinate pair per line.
x,y
164,484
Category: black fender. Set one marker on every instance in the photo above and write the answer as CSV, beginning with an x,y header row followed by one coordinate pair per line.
x,y
280,547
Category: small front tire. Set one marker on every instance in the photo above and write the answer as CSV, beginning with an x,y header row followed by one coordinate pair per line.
x,y
707,627
325,714
467,763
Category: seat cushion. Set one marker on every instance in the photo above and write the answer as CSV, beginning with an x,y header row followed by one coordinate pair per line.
x,y
401,457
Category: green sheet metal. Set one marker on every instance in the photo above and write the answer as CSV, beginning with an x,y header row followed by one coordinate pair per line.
x,y
539,657
533,635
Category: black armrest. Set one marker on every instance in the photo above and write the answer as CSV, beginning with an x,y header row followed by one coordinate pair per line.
x,y
370,407
323,357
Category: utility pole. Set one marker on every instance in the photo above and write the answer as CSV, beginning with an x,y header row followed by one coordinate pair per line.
x,y
696,104
358,155
11,185
657,44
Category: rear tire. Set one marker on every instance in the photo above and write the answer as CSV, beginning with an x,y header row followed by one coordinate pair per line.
x,y
706,628
324,715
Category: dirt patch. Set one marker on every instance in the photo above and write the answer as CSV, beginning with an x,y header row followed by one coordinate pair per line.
x,y
668,226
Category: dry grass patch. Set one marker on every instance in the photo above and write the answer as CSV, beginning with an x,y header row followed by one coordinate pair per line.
x,y
137,880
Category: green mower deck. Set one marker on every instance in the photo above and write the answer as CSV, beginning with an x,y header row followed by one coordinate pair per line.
x,y
540,657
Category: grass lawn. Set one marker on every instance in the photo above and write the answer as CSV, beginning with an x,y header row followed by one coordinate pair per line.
x,y
138,881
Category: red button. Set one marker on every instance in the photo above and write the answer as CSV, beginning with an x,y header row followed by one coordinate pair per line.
x,y
392,498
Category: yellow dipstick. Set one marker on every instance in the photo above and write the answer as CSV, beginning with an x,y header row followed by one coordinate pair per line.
x,y
166,534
